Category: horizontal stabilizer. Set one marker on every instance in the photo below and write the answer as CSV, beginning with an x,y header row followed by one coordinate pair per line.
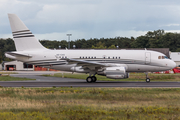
x,y
19,54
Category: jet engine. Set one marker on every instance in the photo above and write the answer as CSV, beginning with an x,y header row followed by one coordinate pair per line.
x,y
114,73
79,69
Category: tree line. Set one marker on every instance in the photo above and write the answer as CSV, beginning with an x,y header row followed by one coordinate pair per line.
x,y
152,39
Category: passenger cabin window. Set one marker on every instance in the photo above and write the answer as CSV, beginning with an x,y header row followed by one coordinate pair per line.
x,y
81,57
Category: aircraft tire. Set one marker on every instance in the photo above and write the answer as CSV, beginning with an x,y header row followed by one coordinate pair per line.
x,y
89,79
94,78
148,80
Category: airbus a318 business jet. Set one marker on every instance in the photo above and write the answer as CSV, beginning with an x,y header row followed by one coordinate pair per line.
x,y
115,64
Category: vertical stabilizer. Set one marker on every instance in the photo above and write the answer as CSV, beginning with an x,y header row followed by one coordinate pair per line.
x,y
23,37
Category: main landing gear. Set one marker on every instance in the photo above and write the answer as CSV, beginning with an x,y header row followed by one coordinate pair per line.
x,y
91,79
147,79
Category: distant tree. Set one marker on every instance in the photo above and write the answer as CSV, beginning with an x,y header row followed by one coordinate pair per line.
x,y
178,50
140,42
112,47
99,45
5,46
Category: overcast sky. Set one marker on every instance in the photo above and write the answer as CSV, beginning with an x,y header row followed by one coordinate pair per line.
x,y
53,19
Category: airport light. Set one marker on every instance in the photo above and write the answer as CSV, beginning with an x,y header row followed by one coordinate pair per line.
x,y
69,40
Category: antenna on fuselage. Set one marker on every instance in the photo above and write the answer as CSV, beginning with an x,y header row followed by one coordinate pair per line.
x,y
145,48
66,48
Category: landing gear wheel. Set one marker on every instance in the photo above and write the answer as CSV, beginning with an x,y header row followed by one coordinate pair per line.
x,y
89,79
94,79
147,80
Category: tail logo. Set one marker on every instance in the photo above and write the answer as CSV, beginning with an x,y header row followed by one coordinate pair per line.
x,y
22,33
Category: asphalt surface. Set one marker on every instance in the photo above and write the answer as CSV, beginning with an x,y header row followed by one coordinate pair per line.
x,y
42,81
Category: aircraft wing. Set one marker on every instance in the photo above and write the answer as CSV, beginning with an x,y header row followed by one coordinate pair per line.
x,y
93,65
18,54
85,63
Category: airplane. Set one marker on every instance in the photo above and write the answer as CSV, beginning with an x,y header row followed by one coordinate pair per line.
x,y
115,64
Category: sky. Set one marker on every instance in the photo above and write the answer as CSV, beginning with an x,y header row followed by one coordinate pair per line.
x,y
85,19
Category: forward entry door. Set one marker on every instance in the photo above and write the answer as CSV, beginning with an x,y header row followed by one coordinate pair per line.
x,y
147,58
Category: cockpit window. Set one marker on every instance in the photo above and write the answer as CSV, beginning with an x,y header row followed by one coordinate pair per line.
x,y
166,57
163,57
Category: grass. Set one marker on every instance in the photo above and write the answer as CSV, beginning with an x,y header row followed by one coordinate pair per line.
x,y
89,103
4,76
9,78
132,77
5,72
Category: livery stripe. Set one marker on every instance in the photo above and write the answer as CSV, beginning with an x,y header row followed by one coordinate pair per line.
x,y
24,36
47,62
61,63
99,60
21,31
51,65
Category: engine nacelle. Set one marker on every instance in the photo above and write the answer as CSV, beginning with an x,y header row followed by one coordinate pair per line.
x,y
79,69
115,73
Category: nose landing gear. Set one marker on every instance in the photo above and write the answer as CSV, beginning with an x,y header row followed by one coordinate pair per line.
x,y
147,79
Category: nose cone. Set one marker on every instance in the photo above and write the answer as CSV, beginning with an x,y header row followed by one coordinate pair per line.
x,y
173,64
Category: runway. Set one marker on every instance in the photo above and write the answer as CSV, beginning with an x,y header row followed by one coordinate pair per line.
x,y
42,81
84,84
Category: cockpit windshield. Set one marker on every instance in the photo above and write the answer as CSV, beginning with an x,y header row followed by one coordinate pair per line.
x,y
163,57
166,57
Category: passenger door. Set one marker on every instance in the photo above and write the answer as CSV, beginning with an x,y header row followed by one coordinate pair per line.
x,y
147,58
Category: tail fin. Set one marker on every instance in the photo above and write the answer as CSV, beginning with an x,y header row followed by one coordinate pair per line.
x,y
23,37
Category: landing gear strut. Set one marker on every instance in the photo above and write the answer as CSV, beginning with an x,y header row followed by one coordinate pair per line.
x,y
91,79
147,79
